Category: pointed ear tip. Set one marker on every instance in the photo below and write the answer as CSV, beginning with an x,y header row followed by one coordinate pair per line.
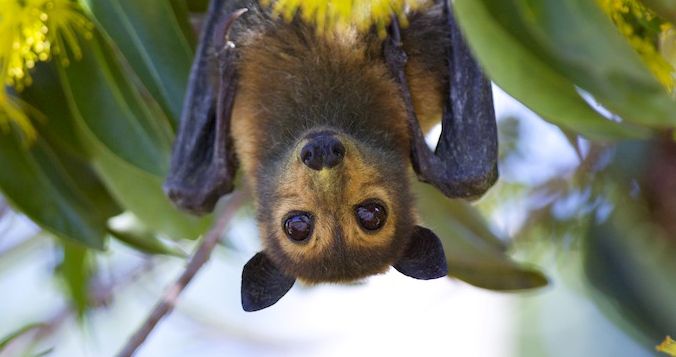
x,y
440,271
248,306
246,299
443,272
421,273
251,303
424,258
263,284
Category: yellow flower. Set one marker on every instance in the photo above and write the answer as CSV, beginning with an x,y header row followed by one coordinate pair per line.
x,y
30,32
629,17
11,111
330,15
668,346
65,20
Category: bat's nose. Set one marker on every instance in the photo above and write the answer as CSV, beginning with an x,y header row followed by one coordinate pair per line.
x,y
322,151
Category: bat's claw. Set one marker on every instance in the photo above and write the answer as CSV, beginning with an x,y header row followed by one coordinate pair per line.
x,y
222,33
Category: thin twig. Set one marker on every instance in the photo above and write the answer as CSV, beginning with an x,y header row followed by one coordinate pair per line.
x,y
199,258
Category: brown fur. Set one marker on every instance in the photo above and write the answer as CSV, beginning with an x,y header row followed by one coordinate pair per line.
x,y
427,92
282,69
425,43
292,83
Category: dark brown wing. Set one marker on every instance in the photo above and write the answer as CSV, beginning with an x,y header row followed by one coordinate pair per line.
x,y
464,164
203,162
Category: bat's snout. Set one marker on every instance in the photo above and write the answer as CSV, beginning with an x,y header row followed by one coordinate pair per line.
x,y
322,150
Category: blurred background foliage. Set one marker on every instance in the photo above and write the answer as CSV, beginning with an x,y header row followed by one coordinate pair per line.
x,y
92,98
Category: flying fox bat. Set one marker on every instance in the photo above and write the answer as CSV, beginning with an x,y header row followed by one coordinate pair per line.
x,y
325,128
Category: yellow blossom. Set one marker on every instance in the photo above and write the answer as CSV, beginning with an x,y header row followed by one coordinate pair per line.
x,y
668,346
11,111
31,31
630,17
340,14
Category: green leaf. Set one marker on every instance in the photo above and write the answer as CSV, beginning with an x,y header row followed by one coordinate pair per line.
x,y
146,243
197,5
630,259
113,110
156,39
131,231
127,141
5,341
58,130
75,270
44,352
586,46
46,97
521,72
183,9
473,253
142,194
55,196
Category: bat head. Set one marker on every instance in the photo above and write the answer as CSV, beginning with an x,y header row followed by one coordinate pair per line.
x,y
336,210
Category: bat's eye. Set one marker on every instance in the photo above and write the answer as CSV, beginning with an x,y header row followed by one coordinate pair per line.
x,y
298,226
371,215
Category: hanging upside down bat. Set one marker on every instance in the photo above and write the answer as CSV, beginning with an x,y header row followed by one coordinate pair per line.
x,y
325,129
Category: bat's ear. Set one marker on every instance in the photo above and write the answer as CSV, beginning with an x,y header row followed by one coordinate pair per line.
x,y
424,258
262,283
203,162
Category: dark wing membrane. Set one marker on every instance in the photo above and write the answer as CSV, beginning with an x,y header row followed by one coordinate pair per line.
x,y
203,162
464,164
468,145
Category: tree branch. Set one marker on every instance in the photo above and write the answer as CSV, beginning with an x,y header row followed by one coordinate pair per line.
x,y
197,261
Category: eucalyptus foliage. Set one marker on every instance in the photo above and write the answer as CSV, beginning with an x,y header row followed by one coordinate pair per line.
x,y
93,93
